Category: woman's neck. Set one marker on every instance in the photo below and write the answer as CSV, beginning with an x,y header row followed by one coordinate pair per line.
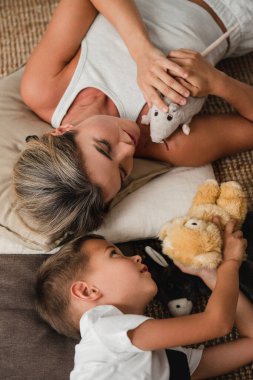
x,y
89,102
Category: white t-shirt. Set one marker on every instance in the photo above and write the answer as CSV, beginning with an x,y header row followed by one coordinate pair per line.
x,y
106,353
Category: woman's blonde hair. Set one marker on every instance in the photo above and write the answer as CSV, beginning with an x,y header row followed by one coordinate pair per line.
x,y
54,279
53,187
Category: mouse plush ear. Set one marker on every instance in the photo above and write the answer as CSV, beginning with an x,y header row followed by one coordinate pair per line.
x,y
167,100
173,107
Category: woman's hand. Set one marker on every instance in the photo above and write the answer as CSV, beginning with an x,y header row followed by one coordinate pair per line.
x,y
153,76
202,78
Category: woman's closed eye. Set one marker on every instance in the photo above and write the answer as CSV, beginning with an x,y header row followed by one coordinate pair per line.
x,y
123,172
103,147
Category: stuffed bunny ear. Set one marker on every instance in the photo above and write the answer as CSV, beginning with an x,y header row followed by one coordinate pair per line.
x,y
156,256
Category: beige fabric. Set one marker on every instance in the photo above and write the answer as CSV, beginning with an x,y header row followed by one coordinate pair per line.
x,y
17,122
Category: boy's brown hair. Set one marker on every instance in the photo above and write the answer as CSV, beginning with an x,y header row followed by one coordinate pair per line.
x,y
54,279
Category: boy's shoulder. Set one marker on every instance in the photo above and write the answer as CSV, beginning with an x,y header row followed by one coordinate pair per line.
x,y
108,320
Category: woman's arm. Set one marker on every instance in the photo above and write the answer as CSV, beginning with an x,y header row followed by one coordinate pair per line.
x,y
211,137
61,42
236,93
152,64
204,79
45,79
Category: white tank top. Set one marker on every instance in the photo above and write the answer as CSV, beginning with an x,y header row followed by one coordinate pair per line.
x,y
105,63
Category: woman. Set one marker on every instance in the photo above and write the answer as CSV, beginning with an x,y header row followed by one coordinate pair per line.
x,y
82,79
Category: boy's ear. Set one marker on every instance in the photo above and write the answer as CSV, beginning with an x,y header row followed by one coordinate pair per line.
x,y
85,292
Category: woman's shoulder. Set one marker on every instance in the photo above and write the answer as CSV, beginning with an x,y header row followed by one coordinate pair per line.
x,y
42,89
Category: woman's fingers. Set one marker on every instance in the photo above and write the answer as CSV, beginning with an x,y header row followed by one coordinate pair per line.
x,y
153,97
167,86
171,82
155,78
169,65
183,53
187,85
172,91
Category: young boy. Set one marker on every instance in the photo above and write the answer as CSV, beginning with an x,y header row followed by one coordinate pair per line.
x,y
90,288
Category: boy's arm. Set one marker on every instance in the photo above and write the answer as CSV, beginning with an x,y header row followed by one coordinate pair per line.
x,y
223,358
227,357
218,317
215,321
244,310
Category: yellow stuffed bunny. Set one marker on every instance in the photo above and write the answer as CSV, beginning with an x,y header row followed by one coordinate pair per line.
x,y
194,240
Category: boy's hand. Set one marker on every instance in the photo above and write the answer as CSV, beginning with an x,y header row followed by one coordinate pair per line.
x,y
202,79
234,243
208,276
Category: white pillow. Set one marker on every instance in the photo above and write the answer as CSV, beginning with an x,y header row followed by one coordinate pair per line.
x,y
141,214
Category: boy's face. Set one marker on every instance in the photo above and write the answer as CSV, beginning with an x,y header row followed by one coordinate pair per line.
x,y
124,282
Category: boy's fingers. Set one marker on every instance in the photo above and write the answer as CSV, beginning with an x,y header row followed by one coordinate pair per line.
x,y
230,226
216,220
238,234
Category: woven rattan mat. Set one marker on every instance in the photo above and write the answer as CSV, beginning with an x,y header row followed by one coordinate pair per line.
x,y
22,23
